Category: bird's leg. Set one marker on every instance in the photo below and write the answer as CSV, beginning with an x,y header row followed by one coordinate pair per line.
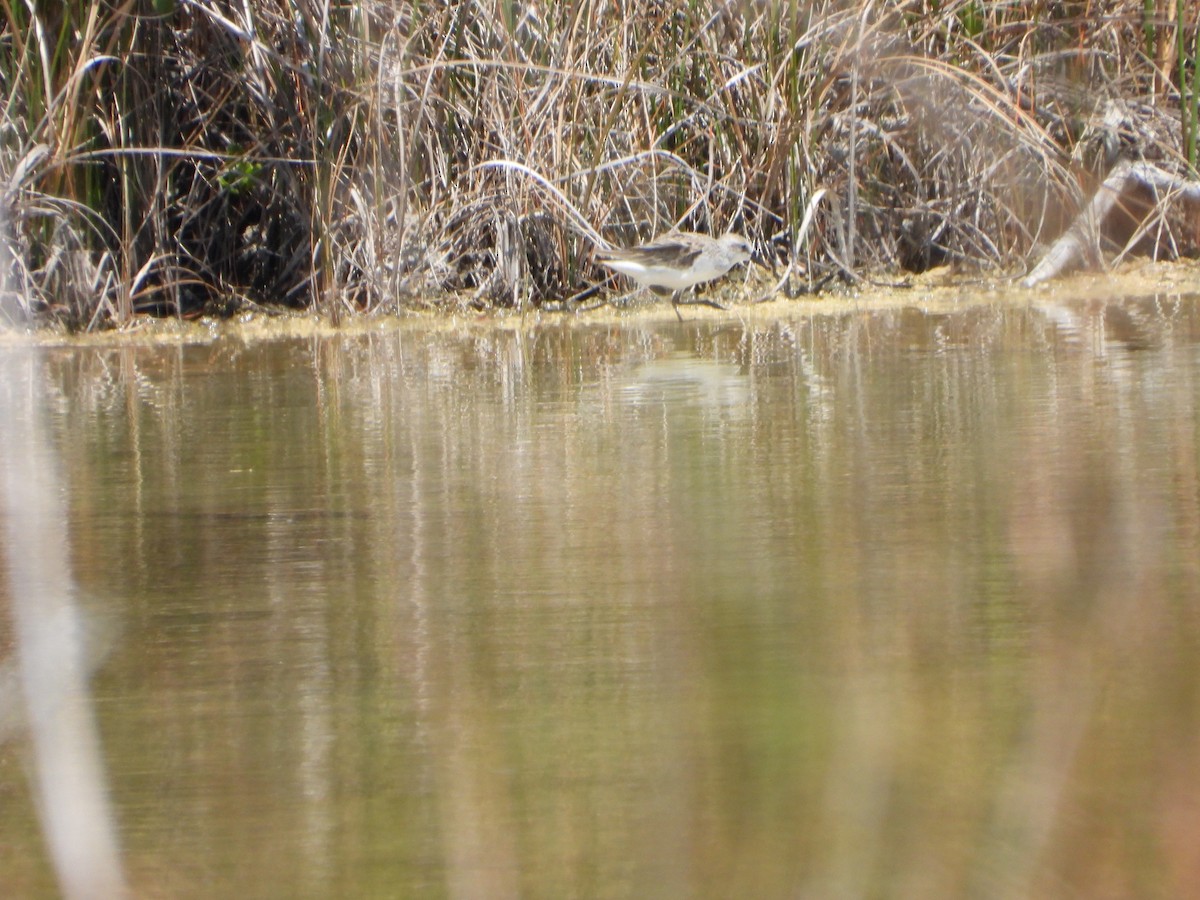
x,y
704,301
713,303
675,305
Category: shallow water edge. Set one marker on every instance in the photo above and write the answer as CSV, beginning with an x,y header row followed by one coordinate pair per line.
x,y
936,291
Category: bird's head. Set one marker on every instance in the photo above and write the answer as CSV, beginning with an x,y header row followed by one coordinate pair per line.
x,y
737,246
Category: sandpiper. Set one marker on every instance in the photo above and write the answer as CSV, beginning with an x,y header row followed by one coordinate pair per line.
x,y
678,260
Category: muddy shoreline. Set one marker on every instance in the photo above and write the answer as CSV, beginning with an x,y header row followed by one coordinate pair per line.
x,y
939,291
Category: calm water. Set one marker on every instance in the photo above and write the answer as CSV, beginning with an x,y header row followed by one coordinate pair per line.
x,y
891,604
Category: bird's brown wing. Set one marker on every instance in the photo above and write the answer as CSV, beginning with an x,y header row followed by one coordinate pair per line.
x,y
664,252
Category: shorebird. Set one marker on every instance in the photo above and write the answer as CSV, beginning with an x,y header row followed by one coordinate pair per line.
x,y
678,260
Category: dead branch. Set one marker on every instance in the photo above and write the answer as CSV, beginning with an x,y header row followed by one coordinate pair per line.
x,y
1080,245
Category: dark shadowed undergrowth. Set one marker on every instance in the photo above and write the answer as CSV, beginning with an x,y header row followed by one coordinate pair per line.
x,y
188,156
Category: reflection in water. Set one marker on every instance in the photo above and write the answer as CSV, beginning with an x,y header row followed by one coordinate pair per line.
x,y
894,603
684,378
43,679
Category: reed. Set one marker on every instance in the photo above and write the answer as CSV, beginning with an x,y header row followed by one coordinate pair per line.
x,y
187,156
1188,49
